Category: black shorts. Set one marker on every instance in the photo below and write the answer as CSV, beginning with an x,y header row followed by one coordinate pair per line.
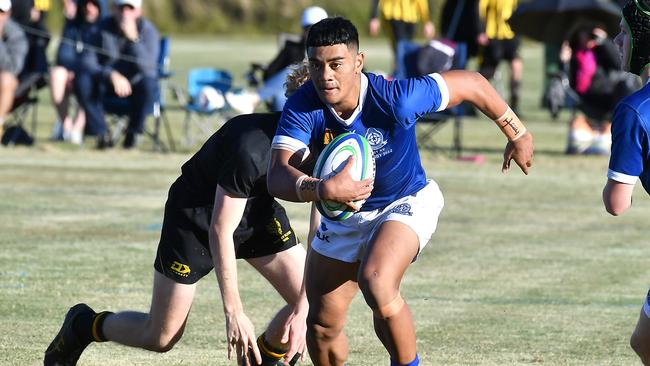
x,y
184,252
500,49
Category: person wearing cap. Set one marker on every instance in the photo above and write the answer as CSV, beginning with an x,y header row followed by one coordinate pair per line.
x,y
630,155
121,61
274,74
13,50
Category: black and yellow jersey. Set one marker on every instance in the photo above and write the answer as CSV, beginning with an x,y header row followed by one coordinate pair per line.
x,y
494,15
409,11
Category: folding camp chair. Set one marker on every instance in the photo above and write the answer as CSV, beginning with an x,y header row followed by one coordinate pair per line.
x,y
201,119
118,108
428,125
25,102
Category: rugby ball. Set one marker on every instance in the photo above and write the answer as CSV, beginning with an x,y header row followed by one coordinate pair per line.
x,y
333,159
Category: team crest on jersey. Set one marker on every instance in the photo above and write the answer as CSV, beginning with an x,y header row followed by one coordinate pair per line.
x,y
402,209
375,139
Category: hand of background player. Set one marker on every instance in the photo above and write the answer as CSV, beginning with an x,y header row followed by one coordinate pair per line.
x,y
241,337
521,151
295,331
341,188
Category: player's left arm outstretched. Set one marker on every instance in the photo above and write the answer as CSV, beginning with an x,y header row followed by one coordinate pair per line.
x,y
226,215
474,88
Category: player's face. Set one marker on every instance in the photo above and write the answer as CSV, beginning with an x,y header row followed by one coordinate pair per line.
x,y
335,72
622,41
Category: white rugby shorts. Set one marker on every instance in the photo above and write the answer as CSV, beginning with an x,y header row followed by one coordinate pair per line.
x,y
347,240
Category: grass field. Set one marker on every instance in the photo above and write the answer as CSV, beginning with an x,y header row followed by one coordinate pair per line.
x,y
522,270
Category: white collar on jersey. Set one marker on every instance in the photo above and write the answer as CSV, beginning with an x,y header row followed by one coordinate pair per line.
x,y
363,91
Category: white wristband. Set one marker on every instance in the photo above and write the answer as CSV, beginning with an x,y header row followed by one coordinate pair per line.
x,y
298,190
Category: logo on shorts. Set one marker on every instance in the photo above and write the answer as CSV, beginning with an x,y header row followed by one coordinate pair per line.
x,y
320,235
275,228
180,269
375,139
402,209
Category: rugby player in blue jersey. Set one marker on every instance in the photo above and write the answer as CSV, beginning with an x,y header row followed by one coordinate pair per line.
x,y
372,249
631,139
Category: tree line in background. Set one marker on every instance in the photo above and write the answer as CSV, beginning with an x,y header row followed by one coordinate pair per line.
x,y
239,16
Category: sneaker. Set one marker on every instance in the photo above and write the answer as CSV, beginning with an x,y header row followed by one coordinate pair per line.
x,y
66,348
131,140
76,137
243,102
104,141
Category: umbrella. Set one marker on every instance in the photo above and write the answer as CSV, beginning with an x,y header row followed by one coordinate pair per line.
x,y
550,20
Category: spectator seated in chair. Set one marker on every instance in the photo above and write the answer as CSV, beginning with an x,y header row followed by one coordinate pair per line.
x,y
82,23
13,50
599,84
122,61
272,90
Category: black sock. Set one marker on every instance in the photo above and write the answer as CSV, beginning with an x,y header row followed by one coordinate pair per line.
x,y
270,355
89,327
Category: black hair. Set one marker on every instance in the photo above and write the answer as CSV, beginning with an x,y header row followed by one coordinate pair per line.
x,y
332,31
80,15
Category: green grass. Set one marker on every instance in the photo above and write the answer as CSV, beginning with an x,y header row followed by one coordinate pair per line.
x,y
522,270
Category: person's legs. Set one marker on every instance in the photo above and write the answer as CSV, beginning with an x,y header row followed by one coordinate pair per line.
x,y
402,34
331,285
90,94
141,102
516,72
59,94
163,326
284,271
8,85
640,340
156,331
392,249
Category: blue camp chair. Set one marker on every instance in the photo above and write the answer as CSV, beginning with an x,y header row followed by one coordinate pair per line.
x,y
117,108
200,120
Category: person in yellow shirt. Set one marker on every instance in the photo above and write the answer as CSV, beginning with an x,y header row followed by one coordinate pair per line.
x,y
499,43
400,17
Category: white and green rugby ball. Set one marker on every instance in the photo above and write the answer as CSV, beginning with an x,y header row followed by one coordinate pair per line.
x,y
333,159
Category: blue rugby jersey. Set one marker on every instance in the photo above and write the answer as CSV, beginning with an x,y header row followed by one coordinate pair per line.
x,y
386,116
630,140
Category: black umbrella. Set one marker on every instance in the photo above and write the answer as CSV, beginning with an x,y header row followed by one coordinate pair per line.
x,y
551,20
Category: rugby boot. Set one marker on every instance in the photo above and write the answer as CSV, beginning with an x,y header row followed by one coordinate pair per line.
x,y
67,346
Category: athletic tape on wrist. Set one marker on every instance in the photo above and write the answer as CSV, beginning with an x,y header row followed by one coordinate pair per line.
x,y
510,125
318,190
298,188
